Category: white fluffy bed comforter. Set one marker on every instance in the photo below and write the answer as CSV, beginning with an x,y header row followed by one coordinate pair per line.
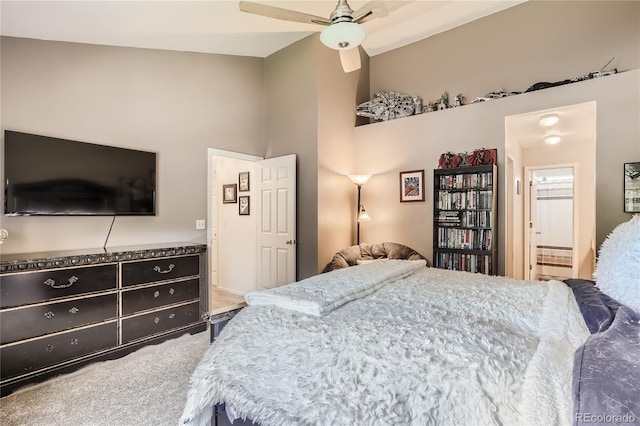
x,y
435,348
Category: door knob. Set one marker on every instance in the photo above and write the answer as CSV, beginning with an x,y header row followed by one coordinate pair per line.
x,y
290,242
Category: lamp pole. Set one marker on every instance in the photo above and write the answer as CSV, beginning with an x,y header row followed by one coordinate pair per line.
x,y
358,217
359,180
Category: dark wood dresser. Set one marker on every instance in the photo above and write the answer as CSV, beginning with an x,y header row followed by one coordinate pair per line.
x,y
62,310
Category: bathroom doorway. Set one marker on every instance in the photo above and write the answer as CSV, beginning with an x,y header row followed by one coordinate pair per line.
x,y
551,223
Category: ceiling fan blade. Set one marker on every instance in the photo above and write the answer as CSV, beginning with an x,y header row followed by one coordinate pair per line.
x,y
350,59
280,13
377,9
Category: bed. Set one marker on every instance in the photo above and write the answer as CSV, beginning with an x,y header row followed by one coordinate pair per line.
x,y
394,342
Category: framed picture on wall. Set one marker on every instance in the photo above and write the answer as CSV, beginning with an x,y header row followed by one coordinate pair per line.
x,y
632,187
243,181
412,186
243,205
230,193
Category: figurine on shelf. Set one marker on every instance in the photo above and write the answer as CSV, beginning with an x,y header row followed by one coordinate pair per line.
x,y
387,106
417,104
444,101
458,100
431,106
448,160
494,95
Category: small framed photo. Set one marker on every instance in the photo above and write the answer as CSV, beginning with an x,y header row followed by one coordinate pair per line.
x,y
632,187
229,193
243,181
243,205
412,186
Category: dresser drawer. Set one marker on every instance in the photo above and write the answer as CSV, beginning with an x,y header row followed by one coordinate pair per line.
x,y
159,295
148,271
32,287
32,321
23,358
140,326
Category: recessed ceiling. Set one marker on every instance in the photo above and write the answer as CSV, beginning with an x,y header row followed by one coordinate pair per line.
x,y
218,26
577,124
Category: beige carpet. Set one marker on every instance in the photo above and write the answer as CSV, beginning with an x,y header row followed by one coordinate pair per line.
x,y
147,387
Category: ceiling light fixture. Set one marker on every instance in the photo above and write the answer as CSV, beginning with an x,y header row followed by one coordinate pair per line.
x,y
552,139
549,120
343,35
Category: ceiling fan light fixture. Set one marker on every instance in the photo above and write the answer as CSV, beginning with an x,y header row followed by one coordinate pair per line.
x,y
343,35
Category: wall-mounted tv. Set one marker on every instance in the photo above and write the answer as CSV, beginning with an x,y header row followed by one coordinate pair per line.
x,y
56,177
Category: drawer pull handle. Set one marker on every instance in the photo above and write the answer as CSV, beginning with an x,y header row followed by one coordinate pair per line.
x,y
156,294
172,316
156,320
166,271
51,283
74,310
74,341
49,348
49,315
171,291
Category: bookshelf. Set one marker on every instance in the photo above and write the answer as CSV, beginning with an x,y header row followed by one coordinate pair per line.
x,y
465,219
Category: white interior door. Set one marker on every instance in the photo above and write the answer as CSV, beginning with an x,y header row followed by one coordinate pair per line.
x,y
533,231
276,207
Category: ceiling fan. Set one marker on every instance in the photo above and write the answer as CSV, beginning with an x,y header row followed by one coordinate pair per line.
x,y
343,31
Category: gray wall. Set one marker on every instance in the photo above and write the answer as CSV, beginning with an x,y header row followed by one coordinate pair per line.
x,y
513,49
309,111
385,149
291,127
174,103
532,42
178,104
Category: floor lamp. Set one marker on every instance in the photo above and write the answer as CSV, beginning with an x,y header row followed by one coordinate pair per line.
x,y
361,214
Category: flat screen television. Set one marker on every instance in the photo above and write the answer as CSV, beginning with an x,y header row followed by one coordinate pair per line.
x,y
56,177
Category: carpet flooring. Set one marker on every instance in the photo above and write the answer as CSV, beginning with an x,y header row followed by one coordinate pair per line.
x,y
146,387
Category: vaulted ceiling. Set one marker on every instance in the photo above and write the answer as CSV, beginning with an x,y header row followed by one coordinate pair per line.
x,y
218,26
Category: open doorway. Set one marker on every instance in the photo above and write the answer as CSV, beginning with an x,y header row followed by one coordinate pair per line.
x,y
551,221
252,231
529,147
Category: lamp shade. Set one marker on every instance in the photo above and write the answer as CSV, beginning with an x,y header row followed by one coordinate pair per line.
x,y
363,216
359,179
343,35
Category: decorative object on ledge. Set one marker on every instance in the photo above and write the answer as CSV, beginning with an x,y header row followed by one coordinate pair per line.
x,y
593,74
412,186
494,95
4,234
477,157
388,106
444,102
391,105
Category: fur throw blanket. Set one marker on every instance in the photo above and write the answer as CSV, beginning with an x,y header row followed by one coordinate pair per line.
x,y
437,347
321,294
